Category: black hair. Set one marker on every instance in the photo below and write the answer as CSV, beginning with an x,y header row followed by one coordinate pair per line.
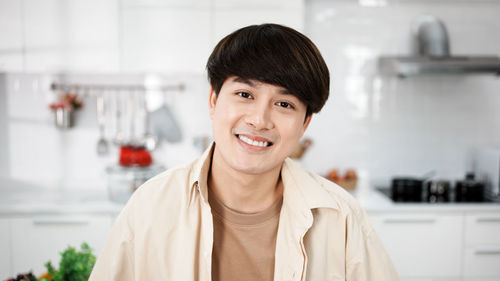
x,y
273,54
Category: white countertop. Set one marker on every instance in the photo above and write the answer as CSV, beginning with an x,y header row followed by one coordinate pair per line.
x,y
56,202
42,201
24,198
375,202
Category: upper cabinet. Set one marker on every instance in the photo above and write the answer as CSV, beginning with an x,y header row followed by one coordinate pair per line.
x,y
245,4
229,20
75,35
178,36
165,4
127,35
230,15
165,40
11,29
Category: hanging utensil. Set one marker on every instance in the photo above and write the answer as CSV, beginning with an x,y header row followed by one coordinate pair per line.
x,y
149,140
131,115
102,143
164,123
119,137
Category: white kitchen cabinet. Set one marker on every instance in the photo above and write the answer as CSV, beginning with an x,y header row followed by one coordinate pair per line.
x,y
276,4
229,20
71,35
422,245
38,239
482,228
11,29
165,4
231,15
165,40
5,250
482,246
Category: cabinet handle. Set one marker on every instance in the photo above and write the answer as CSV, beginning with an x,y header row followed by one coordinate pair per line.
x,y
487,252
485,219
60,222
410,220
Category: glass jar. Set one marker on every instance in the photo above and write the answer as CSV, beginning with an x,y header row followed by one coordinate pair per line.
x,y
123,181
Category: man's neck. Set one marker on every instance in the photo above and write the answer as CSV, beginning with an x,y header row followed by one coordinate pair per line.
x,y
247,193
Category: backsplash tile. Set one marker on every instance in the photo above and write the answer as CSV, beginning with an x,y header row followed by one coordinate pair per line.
x,y
379,125
386,125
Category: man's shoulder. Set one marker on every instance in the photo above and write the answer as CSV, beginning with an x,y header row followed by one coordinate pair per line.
x,y
343,204
324,192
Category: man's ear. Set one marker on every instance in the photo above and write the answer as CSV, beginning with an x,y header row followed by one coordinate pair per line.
x,y
306,123
212,100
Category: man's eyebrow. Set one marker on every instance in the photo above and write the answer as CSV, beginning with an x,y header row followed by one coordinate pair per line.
x,y
253,84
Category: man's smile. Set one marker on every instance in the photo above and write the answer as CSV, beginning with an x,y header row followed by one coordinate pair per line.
x,y
253,143
254,140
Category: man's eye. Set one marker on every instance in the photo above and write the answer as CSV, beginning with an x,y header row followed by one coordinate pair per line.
x,y
243,95
285,104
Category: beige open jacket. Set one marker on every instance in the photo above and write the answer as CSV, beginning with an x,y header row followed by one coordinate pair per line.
x,y
165,232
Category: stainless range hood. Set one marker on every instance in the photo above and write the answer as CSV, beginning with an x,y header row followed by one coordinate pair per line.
x,y
432,54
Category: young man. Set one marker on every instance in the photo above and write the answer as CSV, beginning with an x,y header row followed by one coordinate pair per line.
x,y
244,211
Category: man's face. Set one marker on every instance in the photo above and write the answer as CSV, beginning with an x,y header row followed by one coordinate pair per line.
x,y
255,125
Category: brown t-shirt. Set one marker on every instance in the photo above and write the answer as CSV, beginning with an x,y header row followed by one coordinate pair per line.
x,y
244,244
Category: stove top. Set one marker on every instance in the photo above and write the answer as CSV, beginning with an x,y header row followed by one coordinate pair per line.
x,y
386,191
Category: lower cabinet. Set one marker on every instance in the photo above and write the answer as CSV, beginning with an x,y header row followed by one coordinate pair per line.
x,y
38,239
422,246
5,253
482,246
453,246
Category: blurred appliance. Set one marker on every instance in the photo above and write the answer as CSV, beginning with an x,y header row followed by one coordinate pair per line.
x,y
135,166
406,189
487,169
469,190
437,191
132,155
123,180
427,190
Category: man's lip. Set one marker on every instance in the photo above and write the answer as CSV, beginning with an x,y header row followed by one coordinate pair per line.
x,y
256,138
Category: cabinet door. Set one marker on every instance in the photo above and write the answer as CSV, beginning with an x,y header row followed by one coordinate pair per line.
x,y
165,40
11,44
75,35
229,20
36,240
482,246
422,245
482,228
5,250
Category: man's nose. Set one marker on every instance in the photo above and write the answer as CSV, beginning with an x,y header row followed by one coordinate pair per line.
x,y
259,117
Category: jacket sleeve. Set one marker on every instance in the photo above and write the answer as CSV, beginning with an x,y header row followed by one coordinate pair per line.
x,y
116,260
366,257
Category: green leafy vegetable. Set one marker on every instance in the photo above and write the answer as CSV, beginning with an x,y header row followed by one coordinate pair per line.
x,y
74,265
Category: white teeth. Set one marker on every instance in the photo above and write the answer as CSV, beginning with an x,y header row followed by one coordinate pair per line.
x,y
252,142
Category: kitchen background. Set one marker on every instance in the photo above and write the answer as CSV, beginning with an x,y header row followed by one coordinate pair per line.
x,y
377,124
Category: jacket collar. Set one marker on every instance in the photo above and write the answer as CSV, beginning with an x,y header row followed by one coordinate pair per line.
x,y
307,187
198,177
302,189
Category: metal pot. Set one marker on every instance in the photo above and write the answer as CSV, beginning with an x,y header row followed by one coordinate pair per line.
x,y
406,189
469,190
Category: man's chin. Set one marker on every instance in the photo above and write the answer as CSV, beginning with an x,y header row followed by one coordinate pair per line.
x,y
255,169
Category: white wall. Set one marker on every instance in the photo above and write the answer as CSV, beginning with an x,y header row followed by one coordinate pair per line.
x,y
109,36
390,126
35,152
98,40
380,125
